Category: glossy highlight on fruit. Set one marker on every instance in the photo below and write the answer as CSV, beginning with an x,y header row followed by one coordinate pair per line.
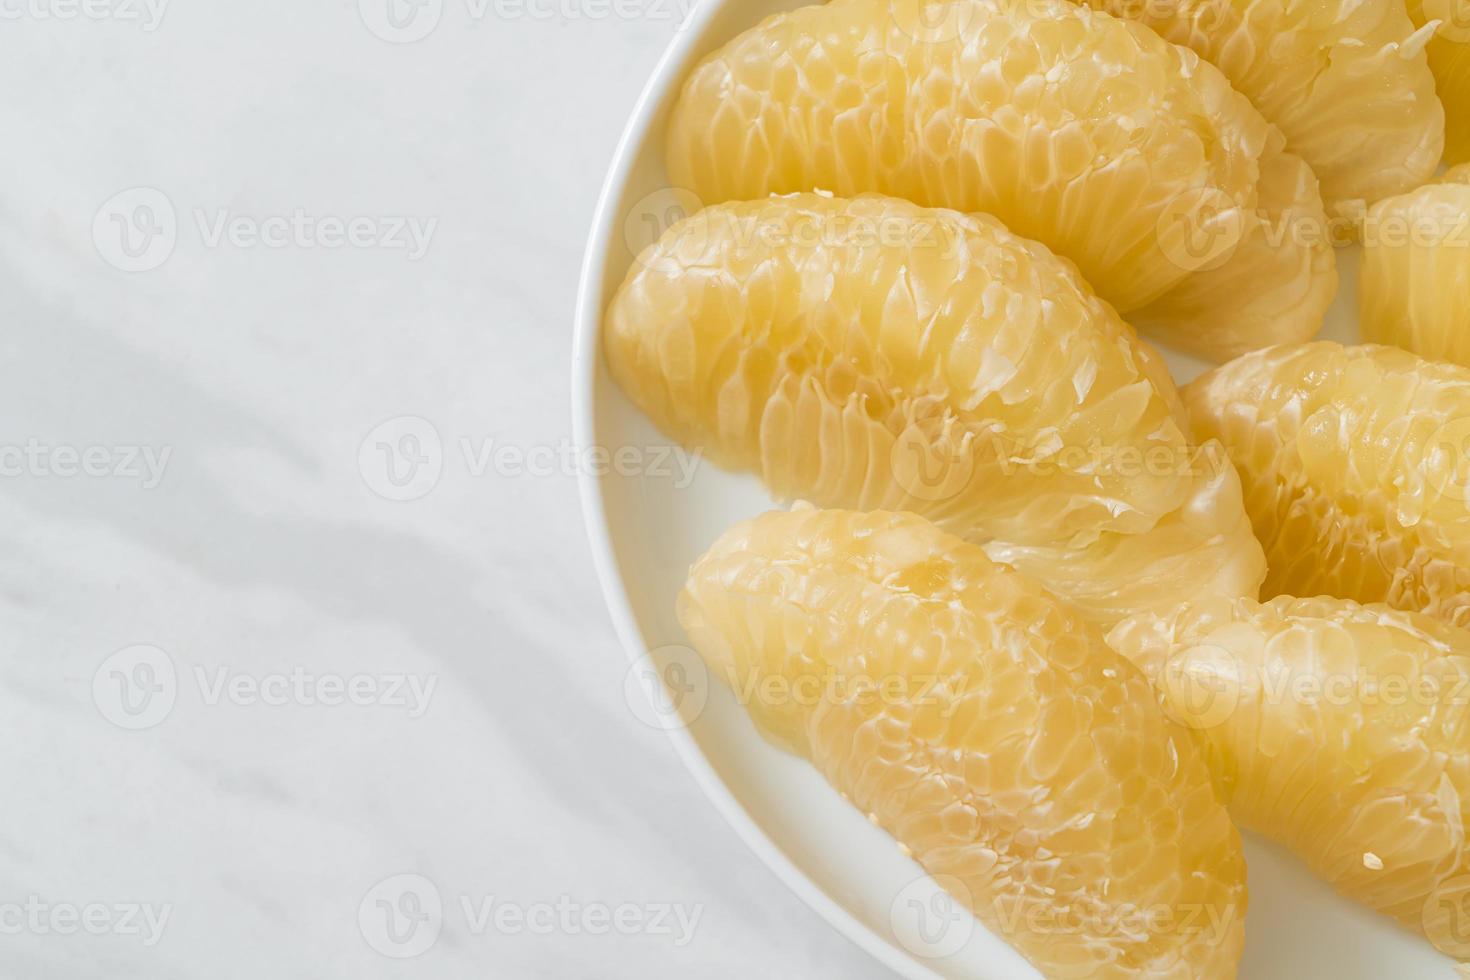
x,y
1120,151
1340,730
1356,468
986,727
1346,81
1414,280
1449,59
877,355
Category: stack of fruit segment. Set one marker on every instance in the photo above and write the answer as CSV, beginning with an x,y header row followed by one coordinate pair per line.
x,y
914,352
873,354
1120,151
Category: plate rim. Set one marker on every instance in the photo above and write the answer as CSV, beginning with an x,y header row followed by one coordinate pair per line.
x,y
586,351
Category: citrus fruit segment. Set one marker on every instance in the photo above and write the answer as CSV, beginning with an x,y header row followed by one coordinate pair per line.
x,y
1280,261
1077,129
1449,60
877,355
1356,468
1340,730
1347,81
1414,280
986,727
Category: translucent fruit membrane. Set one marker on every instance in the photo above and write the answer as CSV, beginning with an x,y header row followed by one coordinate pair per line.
x,y
1356,468
1340,730
1125,153
985,726
1449,59
1347,81
874,354
1414,281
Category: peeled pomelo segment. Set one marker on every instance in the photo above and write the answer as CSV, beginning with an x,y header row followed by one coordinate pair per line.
x,y
1346,81
1355,463
1414,279
1448,52
1077,129
1273,274
1340,730
985,726
874,354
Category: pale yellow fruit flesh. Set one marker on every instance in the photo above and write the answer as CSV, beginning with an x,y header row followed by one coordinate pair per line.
x,y
986,727
1346,81
873,354
1340,730
1449,59
1356,467
1075,128
1414,280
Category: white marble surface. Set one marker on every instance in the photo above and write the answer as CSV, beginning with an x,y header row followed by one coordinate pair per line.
x,y
257,565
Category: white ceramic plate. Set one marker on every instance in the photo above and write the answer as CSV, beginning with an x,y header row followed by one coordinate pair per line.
x,y
648,523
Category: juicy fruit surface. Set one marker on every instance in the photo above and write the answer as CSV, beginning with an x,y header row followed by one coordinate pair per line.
x,y
1338,729
1122,152
1449,59
873,354
1021,761
1356,468
1414,280
1347,81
